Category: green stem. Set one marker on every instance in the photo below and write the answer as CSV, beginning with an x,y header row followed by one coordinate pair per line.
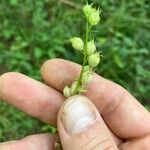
x,y
85,57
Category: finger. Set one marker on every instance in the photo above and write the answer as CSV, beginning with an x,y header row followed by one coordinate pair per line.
x,y
126,117
31,96
81,126
33,142
139,144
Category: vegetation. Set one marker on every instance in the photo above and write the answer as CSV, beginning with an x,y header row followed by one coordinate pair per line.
x,y
32,31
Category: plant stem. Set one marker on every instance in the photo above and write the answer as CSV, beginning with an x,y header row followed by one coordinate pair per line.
x,y
85,57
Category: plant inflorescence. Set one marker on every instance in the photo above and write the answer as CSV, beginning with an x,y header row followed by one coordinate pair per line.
x,y
91,57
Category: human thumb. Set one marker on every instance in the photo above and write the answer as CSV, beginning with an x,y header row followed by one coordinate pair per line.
x,y
81,127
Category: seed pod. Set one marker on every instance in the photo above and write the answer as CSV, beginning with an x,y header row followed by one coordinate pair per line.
x,y
94,17
87,10
77,43
91,48
87,68
87,78
67,91
73,87
92,10
94,60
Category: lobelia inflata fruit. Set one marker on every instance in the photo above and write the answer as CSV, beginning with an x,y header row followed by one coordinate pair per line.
x,y
88,48
77,43
91,48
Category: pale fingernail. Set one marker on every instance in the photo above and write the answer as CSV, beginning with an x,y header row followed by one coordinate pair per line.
x,y
77,115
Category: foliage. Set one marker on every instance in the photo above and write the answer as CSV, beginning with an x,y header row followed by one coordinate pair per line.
x,y
32,31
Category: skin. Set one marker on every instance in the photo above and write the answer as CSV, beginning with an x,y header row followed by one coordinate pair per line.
x,y
125,120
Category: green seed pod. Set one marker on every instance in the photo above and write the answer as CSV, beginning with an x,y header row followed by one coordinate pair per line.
x,y
87,68
87,10
87,78
94,60
67,91
91,48
77,43
94,17
73,87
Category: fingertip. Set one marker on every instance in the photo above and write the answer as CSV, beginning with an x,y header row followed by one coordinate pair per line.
x,y
52,62
79,122
49,62
54,68
30,96
6,80
77,113
8,75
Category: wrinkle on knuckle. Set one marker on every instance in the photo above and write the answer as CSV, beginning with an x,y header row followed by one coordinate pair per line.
x,y
115,103
96,144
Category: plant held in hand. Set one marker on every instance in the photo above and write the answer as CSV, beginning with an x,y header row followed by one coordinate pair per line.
x,y
91,56
88,48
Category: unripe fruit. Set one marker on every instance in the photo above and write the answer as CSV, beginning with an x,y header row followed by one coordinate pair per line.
x,y
94,60
87,68
77,43
87,10
94,17
87,78
91,48
73,87
67,91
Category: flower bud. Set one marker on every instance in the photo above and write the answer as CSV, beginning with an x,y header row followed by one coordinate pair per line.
x,y
87,78
94,60
67,91
87,10
77,43
91,48
94,17
73,87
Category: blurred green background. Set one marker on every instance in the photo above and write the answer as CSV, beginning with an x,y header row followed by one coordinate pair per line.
x,y
32,31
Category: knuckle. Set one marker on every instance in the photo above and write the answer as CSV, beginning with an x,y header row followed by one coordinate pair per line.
x,y
96,144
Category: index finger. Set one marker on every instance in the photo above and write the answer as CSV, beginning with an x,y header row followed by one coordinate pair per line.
x,y
125,116
30,96
31,142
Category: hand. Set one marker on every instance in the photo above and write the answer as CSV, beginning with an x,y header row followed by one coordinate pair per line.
x,y
123,124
